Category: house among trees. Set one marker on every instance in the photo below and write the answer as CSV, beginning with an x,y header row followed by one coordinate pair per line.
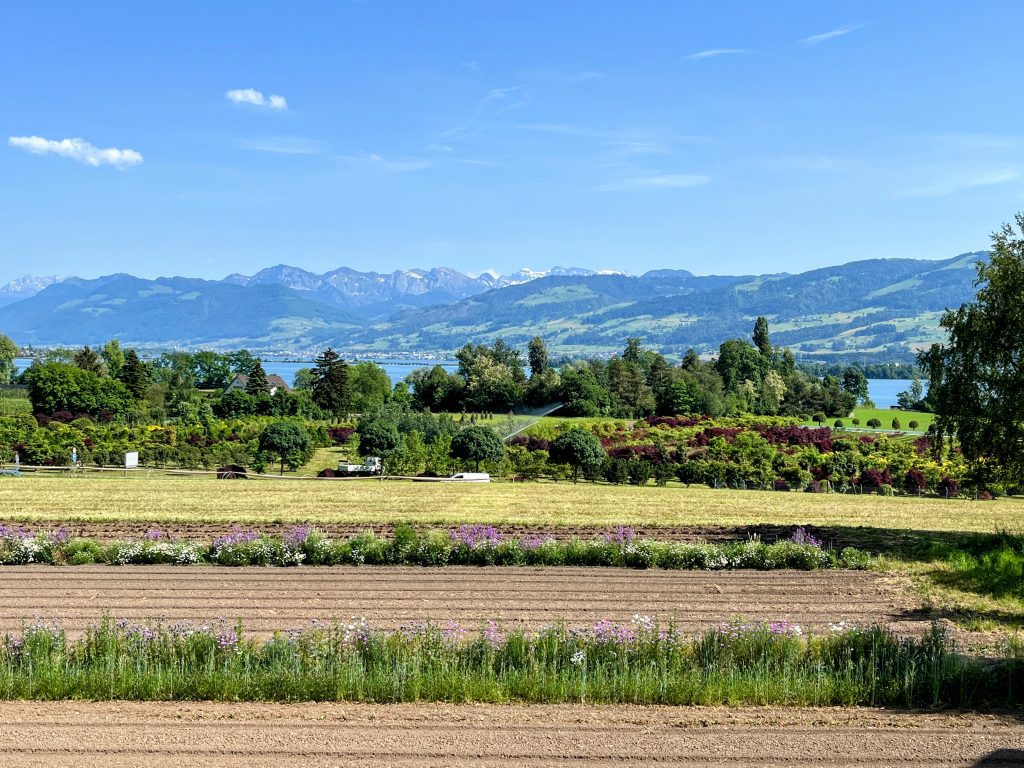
x,y
274,382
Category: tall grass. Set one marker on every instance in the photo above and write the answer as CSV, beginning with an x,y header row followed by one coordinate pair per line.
x,y
634,663
987,564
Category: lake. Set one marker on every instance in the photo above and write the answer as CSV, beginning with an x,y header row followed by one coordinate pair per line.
x,y
395,369
885,391
882,391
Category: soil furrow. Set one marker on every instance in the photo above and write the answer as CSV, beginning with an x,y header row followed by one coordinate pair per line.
x,y
265,600
154,735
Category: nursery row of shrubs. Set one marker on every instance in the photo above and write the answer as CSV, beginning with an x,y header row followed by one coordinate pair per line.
x,y
467,545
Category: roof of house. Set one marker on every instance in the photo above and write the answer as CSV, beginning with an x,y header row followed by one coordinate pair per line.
x,y
273,381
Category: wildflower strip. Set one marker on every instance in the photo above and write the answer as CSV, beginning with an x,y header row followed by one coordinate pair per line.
x,y
639,662
466,545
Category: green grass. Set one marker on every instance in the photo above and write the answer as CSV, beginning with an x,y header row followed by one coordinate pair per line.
x,y
638,663
884,415
976,580
14,403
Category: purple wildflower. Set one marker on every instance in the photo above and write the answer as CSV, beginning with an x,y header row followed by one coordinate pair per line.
x,y
453,632
234,537
801,536
606,631
474,536
295,537
535,541
620,536
491,634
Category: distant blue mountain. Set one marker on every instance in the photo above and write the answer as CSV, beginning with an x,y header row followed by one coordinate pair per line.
x,y
878,307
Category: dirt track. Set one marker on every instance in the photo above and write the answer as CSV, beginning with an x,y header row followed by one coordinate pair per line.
x,y
268,599
151,735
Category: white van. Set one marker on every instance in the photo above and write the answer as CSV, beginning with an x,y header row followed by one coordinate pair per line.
x,y
471,477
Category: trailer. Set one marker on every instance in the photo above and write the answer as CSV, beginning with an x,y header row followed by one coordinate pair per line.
x,y
370,467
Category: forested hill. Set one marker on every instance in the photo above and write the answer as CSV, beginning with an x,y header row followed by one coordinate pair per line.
x,y
885,308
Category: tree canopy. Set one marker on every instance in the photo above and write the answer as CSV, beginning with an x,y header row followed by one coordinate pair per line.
x,y
580,449
330,383
8,351
477,444
288,441
977,378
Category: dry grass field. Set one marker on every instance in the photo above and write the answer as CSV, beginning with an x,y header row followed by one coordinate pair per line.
x,y
43,499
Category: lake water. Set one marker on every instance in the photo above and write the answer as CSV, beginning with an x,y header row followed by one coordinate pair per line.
x,y
395,369
885,391
882,391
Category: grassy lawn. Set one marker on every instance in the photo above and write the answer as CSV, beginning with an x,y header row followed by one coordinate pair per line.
x,y
41,498
885,415
946,592
14,402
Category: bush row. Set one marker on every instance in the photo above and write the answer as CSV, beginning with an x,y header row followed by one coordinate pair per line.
x,y
468,545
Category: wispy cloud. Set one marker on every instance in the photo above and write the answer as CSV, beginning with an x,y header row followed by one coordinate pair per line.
x,y
808,162
472,66
77,149
286,145
395,165
256,98
962,181
710,54
832,34
501,100
657,181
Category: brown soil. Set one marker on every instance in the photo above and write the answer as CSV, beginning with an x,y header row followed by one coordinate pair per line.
x,y
269,599
166,735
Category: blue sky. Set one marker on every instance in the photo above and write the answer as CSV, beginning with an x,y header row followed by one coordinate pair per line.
x,y
719,137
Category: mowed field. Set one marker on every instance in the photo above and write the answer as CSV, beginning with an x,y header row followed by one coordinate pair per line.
x,y
202,734
46,499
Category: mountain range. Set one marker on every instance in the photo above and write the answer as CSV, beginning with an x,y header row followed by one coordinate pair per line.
x,y
871,309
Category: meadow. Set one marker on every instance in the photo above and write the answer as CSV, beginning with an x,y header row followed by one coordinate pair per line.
x,y
55,498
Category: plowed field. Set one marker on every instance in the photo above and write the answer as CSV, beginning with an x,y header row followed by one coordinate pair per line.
x,y
166,735
268,599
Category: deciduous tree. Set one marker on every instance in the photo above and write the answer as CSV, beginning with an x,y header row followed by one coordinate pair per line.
x,y
977,378
580,449
477,444
288,441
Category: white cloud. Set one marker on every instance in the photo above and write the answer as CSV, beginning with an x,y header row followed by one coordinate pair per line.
x,y
701,55
286,145
256,98
838,32
77,149
403,165
658,181
958,182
